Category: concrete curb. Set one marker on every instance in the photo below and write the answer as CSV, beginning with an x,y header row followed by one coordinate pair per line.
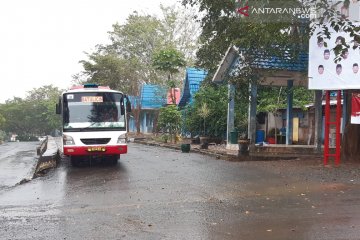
x,y
48,159
225,156
193,150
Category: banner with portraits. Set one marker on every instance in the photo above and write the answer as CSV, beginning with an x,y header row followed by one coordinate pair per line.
x,y
324,73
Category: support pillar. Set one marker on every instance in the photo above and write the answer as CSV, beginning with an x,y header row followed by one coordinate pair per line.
x,y
344,111
318,120
289,112
230,113
252,114
144,128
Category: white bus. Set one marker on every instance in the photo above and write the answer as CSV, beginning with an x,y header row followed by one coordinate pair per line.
x,y
93,123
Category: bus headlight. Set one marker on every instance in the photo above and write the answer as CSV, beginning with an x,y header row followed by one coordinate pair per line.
x,y
68,140
122,138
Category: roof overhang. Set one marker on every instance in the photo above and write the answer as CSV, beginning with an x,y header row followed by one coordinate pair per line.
x,y
226,63
281,77
268,77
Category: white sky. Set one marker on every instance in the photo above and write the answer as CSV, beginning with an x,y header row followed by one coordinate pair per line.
x,y
42,41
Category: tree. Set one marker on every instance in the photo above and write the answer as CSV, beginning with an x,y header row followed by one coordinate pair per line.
x,y
332,19
170,120
2,121
126,63
110,70
170,61
34,115
43,100
2,133
215,100
223,25
181,31
2,136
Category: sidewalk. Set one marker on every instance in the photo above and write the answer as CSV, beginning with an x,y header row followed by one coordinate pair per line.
x,y
220,152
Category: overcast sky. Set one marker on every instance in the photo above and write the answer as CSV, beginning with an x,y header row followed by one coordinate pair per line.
x,y
42,41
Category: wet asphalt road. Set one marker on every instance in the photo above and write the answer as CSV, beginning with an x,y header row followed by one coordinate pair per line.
x,y
157,193
17,160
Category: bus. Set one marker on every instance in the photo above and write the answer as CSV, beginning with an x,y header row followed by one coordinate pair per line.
x,y
93,123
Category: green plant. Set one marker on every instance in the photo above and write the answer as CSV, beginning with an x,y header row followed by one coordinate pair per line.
x,y
165,138
170,120
2,136
215,98
169,60
204,112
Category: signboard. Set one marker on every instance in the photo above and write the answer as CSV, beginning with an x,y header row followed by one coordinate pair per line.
x,y
324,73
91,99
355,108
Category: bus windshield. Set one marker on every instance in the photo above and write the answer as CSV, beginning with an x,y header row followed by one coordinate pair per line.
x,y
93,110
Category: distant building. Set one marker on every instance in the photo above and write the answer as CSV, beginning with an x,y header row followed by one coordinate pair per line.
x,y
13,137
192,81
152,98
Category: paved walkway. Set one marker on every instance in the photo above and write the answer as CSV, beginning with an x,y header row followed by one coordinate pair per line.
x,y
221,152
218,151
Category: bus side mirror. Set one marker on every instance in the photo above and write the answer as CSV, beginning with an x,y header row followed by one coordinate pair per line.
x,y
122,108
58,107
128,104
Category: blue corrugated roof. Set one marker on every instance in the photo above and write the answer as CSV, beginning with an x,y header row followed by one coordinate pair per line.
x,y
152,96
193,79
284,62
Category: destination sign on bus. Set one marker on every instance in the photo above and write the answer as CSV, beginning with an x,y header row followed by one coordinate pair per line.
x,y
91,99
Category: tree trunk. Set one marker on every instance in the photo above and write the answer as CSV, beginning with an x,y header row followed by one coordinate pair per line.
x,y
204,128
138,118
170,133
172,90
127,122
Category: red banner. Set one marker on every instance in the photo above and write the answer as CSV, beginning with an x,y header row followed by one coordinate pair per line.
x,y
355,108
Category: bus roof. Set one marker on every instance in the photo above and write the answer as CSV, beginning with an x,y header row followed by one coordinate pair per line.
x,y
90,88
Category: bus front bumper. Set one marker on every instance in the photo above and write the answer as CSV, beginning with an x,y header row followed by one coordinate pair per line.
x,y
94,150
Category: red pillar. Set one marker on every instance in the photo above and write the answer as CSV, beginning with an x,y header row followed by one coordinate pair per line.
x,y
338,126
327,127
